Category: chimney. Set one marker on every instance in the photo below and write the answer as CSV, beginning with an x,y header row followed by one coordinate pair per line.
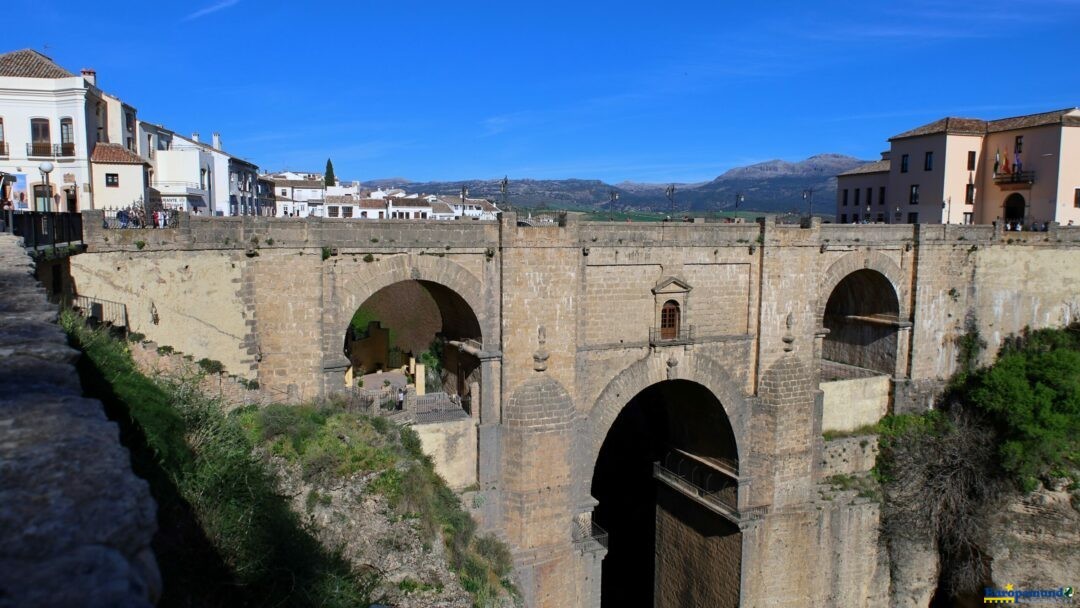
x,y
90,76
217,141
195,137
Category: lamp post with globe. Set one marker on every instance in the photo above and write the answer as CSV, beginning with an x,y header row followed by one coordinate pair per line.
x,y
46,168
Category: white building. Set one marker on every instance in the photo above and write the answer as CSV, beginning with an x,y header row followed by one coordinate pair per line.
x,y
119,177
49,115
181,170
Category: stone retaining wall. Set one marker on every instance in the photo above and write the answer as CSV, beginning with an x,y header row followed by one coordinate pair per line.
x,y
75,521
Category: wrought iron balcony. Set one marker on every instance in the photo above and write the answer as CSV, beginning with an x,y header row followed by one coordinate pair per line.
x,y
44,150
1016,177
671,336
588,533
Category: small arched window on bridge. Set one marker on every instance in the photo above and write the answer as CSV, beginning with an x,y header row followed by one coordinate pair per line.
x,y
669,320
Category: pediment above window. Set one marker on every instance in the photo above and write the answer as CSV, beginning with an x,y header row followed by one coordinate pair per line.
x,y
671,285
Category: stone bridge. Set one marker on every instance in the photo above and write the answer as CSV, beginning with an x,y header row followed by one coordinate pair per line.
x,y
667,381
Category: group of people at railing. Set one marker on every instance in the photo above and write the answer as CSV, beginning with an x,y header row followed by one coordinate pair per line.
x,y
138,216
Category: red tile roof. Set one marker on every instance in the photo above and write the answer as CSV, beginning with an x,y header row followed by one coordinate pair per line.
x,y
115,154
28,63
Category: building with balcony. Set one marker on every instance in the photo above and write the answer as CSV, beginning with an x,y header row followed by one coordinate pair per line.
x,y
49,115
1013,171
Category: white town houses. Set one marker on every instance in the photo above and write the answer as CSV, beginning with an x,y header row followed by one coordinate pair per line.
x,y
65,145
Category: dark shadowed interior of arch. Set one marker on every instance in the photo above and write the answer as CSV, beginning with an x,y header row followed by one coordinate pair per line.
x,y
862,316
418,319
674,423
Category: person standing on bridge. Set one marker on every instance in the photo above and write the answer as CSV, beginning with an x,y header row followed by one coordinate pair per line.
x,y
400,399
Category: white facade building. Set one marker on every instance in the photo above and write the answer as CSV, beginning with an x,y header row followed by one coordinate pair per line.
x,y
48,114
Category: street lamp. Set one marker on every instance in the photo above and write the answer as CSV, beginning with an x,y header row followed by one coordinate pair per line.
x,y
739,198
614,198
808,196
46,168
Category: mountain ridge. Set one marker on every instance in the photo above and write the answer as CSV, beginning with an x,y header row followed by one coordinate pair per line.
x,y
774,185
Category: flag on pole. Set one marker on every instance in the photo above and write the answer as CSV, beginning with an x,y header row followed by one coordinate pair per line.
x,y
1006,168
997,160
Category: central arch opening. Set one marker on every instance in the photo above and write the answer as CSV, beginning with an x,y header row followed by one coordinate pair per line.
x,y
666,482
418,337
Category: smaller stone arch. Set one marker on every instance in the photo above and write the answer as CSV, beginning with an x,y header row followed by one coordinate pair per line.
x,y
860,260
352,286
863,312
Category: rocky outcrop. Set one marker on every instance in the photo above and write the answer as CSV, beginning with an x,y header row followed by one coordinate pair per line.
x,y
348,517
75,521
1034,540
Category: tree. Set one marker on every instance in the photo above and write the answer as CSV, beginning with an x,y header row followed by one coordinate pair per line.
x,y
330,180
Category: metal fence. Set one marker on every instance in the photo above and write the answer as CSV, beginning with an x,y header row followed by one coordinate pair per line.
x,y
43,228
102,312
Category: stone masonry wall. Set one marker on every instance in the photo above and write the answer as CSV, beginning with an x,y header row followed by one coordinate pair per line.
x,y
754,290
75,521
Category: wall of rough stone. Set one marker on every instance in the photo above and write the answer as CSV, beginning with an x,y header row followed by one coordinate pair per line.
x,y
698,555
850,404
75,521
849,455
452,448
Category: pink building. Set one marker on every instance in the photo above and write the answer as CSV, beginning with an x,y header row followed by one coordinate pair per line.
x,y
965,170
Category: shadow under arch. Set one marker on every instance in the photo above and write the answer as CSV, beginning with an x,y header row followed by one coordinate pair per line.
x,y
681,425
862,316
654,370
864,260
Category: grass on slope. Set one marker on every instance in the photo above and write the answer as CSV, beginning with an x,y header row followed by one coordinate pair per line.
x,y
329,443
226,538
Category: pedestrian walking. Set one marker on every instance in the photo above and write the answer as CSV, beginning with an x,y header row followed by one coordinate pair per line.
x,y
400,399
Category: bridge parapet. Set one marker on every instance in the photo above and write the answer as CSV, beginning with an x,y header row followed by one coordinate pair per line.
x,y
252,233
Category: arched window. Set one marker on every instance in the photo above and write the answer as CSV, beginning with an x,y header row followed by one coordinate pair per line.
x,y
669,320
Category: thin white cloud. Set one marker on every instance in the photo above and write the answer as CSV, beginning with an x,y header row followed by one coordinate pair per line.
x,y
213,8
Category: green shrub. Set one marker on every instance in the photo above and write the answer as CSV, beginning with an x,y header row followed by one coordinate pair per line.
x,y
326,251
211,366
140,244
369,258
164,350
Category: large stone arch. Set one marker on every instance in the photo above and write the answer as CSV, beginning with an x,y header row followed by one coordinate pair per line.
x,y
657,368
864,260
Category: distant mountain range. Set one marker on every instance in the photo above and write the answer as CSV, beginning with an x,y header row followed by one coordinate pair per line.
x,y
774,185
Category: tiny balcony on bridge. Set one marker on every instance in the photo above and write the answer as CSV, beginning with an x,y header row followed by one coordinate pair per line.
x,y
671,336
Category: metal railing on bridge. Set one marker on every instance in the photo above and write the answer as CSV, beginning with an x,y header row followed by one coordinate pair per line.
x,y
43,228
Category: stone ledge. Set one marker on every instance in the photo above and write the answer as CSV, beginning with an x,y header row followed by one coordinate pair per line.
x,y
75,521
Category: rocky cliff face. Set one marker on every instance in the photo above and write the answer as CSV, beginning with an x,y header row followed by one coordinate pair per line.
x,y
1034,540
348,517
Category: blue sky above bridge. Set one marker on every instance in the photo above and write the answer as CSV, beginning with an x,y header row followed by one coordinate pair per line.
x,y
641,91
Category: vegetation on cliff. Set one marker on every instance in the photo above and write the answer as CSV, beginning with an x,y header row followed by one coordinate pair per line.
x,y
1000,430
227,537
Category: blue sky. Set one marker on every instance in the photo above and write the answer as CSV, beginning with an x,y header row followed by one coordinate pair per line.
x,y
643,91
